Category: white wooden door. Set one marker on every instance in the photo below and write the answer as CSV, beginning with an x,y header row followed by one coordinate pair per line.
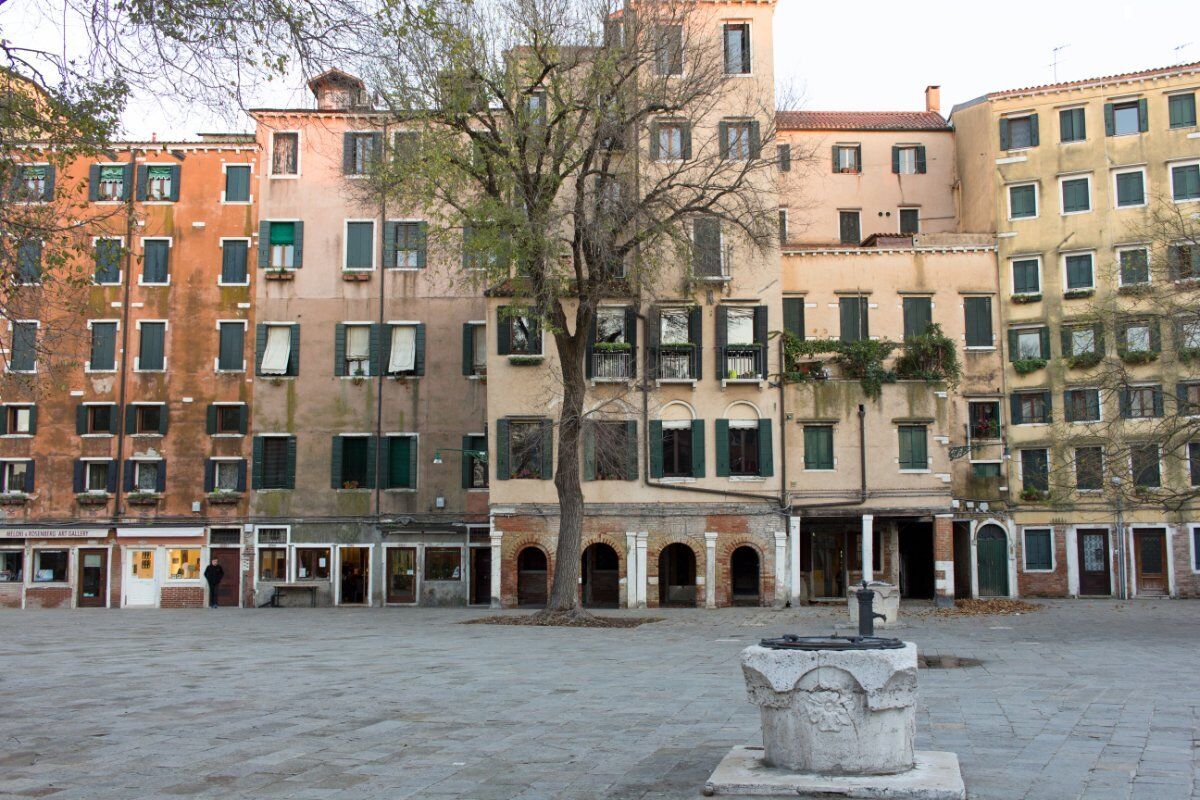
x,y
141,586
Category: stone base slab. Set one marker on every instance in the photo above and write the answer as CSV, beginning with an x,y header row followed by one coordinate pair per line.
x,y
741,773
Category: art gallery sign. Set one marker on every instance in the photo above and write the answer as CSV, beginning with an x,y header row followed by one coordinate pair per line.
x,y
52,533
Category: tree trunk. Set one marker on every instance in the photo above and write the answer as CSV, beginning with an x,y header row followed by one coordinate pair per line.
x,y
564,593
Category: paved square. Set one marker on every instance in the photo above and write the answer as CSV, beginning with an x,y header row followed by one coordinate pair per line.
x,y
1091,700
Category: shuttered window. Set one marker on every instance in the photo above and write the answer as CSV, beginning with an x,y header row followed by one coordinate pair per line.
x,y
1135,266
401,462
1089,469
237,183
1131,188
1072,126
151,347
914,453
853,313
360,245
1185,182
104,347
737,48
1022,201
231,346
849,228
234,257
668,54
274,462
156,257
707,259
818,447
1181,109
1079,271
1037,549
1035,469
918,316
24,347
1076,195
978,314
29,262
1026,276
1145,465
107,255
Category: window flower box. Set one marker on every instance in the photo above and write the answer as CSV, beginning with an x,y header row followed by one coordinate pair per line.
x,y
144,498
355,277
1027,297
224,498
280,275
1188,354
525,361
1084,360
1136,357
1076,294
14,499
92,498
1134,290
1025,366
1034,495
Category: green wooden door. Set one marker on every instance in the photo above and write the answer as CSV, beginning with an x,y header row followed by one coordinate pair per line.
x,y
992,556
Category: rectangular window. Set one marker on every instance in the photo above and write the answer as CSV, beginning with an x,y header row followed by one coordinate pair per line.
x,y
443,564
984,419
1188,334
360,152
98,419
356,359
525,449
148,419
360,245
847,158
1038,555
1145,467
152,346
231,345
1022,201
50,566
312,563
475,467
276,464
1031,343
409,250
12,566
354,463
1131,188
906,161
1135,266
738,142
1076,195
671,140
1188,395
237,183
914,450
1181,109
1126,118
107,255
1089,469
34,183
1071,125
158,182
145,476
282,244
818,447
234,258
1035,470
1021,132
1082,405
743,450
1078,268
910,221
18,420
476,361
276,357
406,350
14,477
104,347
852,313
1033,408
227,475
668,54
708,251
111,184
1185,182
1194,474
737,48
849,229
1183,261
1080,341
524,336
1026,276
227,418
985,469
97,476
24,347
1137,337
1142,402
285,154
401,462
978,318
918,316
611,447
677,451
272,564
29,262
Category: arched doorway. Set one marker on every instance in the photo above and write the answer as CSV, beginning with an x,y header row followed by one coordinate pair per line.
x,y
991,559
677,576
531,577
743,576
601,573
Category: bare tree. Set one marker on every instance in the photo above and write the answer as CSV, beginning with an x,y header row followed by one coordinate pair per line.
x,y
525,127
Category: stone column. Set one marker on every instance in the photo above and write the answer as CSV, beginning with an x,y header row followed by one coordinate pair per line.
x,y
781,570
943,559
641,568
496,571
710,569
794,560
868,547
631,569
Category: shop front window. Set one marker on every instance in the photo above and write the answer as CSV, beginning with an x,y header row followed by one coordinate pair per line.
x,y
443,564
272,564
12,566
50,566
184,564
312,563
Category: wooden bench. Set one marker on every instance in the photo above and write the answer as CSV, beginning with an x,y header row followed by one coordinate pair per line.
x,y
280,588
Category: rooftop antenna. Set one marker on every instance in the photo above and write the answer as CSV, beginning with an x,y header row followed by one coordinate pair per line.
x,y
1179,48
1054,63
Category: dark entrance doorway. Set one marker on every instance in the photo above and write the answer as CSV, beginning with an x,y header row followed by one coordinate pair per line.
x,y
828,564
402,575
229,589
743,576
962,560
355,574
93,578
481,576
991,549
1150,550
601,573
677,576
916,560
1094,575
531,577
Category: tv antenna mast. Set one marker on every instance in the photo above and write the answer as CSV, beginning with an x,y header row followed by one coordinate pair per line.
x,y
1179,48
1054,62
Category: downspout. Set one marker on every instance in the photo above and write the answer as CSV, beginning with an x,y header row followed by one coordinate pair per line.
x,y
122,414
382,369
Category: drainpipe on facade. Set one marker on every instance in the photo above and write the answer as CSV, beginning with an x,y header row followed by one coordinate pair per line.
x,y
122,414
382,369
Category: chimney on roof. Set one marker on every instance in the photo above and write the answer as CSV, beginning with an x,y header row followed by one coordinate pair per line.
x,y
933,99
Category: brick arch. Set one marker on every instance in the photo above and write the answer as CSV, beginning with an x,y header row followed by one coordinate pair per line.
x,y
699,552
619,546
508,571
724,571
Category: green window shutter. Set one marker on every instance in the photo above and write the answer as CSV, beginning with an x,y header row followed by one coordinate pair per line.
x,y
630,472
360,237
1005,138
853,323
696,337
1126,407
1068,406
372,455
176,175
698,459
755,141
1014,410
260,346
654,150
1158,401
210,420
290,477
256,464
298,245
339,349
761,332
766,461
1013,346
978,312
721,430
264,245
1155,337
589,451
656,448
706,246
906,449
393,463
294,355
502,445
503,331
1110,121
466,461
793,316
335,467
722,331
81,417
422,243
419,347
1044,342
918,315
347,153
921,159
143,177
33,414
547,467
390,230
723,139
1143,115
685,135
895,160
94,182
836,158
468,348
1066,127
1033,130
163,419
375,348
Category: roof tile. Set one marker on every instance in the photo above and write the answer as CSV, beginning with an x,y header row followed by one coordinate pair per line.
x,y
860,121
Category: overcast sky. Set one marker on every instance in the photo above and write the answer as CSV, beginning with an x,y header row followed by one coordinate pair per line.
x,y
834,56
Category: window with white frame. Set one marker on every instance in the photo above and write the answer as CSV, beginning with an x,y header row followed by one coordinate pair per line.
x,y
111,186
183,564
1129,188
1079,271
12,566
285,153
226,475
50,566
282,244
1134,263
1039,552
158,182
18,420
15,476
358,350
1185,182
1076,191
1145,465
278,351
1137,337
96,475
403,357
1023,201
146,476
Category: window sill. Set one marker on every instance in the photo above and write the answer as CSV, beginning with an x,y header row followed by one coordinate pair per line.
x,y
714,278
273,489
742,381
280,378
991,348
825,470
1027,571
354,489
49,585
16,436
477,377
14,499
288,274
676,480
1020,219
287,177
227,435
356,378
243,284
1075,213
356,276
241,371
404,269
677,381
224,498
146,435
747,478
476,489
401,377
401,490
626,380
926,471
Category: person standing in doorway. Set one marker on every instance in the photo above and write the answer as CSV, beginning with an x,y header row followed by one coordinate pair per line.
x,y
213,573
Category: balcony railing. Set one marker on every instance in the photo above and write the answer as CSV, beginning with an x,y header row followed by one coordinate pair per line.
x,y
608,365
743,362
675,363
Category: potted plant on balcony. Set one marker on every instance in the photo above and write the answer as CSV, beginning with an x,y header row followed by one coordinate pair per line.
x,y
221,497
14,499
144,498
92,498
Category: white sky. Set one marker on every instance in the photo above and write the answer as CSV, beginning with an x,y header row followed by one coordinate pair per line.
x,y
835,56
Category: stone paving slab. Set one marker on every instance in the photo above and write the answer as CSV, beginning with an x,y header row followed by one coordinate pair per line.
x,y
1085,700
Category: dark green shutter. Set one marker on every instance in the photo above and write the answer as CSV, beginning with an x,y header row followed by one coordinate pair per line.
x,y
722,332
502,443
143,178
1110,120
298,245
630,472
654,149
33,415
784,152
94,182
766,461
260,346
81,419
793,316
1143,115
210,420
294,355
589,450
264,245
696,337
721,431
631,336
347,153
978,312
723,139
1005,138
1044,342
755,141
372,455
836,158
1013,346
290,477
1068,405
466,462
1014,410
176,175
375,348
1155,336
389,244
547,465
895,160
503,331
761,332
656,448
1033,130
419,347
698,449
906,453
422,243
921,159
918,315
210,474
685,136
468,348
256,470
